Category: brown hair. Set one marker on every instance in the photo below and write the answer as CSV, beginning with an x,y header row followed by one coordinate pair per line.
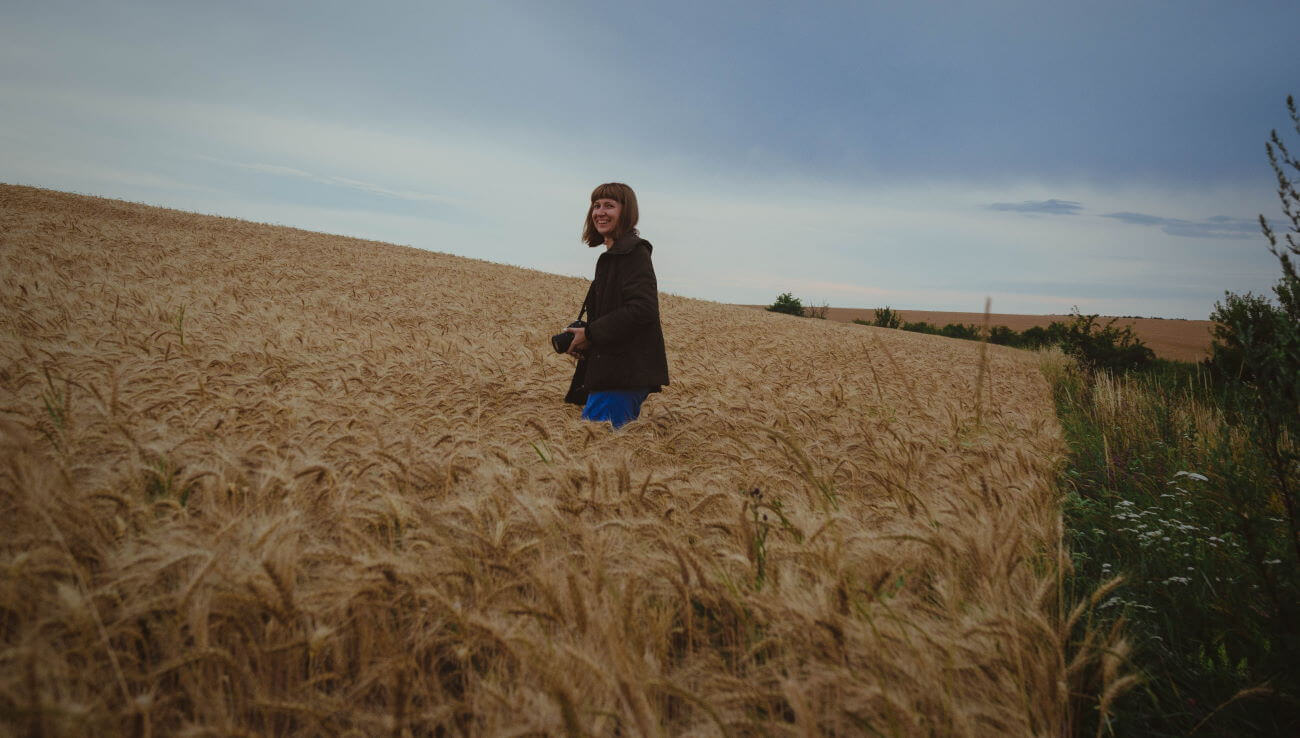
x,y
626,198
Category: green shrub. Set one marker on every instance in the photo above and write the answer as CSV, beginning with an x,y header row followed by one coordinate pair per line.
x,y
1246,328
787,303
1040,337
1257,343
887,317
921,327
1003,336
1104,347
958,330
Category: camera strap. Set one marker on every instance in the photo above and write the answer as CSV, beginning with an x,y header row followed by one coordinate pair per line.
x,y
586,299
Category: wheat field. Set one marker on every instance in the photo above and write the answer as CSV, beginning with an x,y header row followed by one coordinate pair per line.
x,y
262,481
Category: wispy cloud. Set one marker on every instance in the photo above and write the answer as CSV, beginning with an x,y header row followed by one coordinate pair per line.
x,y
1218,226
1047,207
355,184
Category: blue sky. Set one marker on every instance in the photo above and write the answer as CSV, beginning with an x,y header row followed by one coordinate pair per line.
x,y
924,155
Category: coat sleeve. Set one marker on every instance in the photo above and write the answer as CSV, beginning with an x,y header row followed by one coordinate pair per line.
x,y
639,304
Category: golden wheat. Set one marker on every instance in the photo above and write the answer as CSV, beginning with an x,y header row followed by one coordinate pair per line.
x,y
263,481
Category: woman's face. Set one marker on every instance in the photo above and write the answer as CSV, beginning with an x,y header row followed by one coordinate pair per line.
x,y
605,213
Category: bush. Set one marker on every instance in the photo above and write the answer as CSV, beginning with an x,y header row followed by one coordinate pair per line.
x,y
1104,347
1003,336
957,330
1245,327
787,303
1040,337
1257,343
921,327
887,317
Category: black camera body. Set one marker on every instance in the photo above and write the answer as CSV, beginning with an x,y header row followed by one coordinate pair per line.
x,y
561,341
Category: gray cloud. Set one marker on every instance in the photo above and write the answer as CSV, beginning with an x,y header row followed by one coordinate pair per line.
x,y
1050,207
1218,226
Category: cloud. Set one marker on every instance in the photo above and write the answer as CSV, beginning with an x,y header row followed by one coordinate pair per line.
x,y
1137,218
1048,207
1218,226
355,184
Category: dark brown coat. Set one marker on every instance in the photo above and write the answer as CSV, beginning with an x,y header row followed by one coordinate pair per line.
x,y
627,342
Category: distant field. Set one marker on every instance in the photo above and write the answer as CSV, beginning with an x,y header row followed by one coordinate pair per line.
x,y
1185,340
263,481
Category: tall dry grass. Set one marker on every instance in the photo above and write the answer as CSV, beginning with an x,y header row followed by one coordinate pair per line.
x,y
263,481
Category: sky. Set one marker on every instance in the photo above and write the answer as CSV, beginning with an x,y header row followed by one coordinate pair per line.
x,y
925,155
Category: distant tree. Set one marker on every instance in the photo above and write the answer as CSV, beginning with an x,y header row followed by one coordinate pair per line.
x,y
887,317
787,303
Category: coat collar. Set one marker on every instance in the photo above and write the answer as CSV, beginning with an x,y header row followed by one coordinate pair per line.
x,y
627,242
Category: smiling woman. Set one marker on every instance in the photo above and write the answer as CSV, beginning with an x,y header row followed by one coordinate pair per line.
x,y
621,356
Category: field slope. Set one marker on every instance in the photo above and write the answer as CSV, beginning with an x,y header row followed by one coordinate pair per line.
x,y
258,480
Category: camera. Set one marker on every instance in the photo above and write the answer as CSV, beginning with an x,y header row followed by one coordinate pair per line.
x,y
561,341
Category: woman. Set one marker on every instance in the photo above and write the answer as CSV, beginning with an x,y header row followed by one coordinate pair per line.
x,y
621,357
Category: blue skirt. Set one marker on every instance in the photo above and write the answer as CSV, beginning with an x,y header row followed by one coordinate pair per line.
x,y
617,407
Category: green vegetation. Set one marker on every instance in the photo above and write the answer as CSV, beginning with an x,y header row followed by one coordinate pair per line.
x,y
787,303
791,305
1098,347
1091,343
1168,488
1182,481
886,317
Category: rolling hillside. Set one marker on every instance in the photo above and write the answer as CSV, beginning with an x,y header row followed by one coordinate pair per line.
x,y
258,480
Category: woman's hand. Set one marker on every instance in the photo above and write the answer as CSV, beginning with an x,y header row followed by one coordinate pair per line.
x,y
580,342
